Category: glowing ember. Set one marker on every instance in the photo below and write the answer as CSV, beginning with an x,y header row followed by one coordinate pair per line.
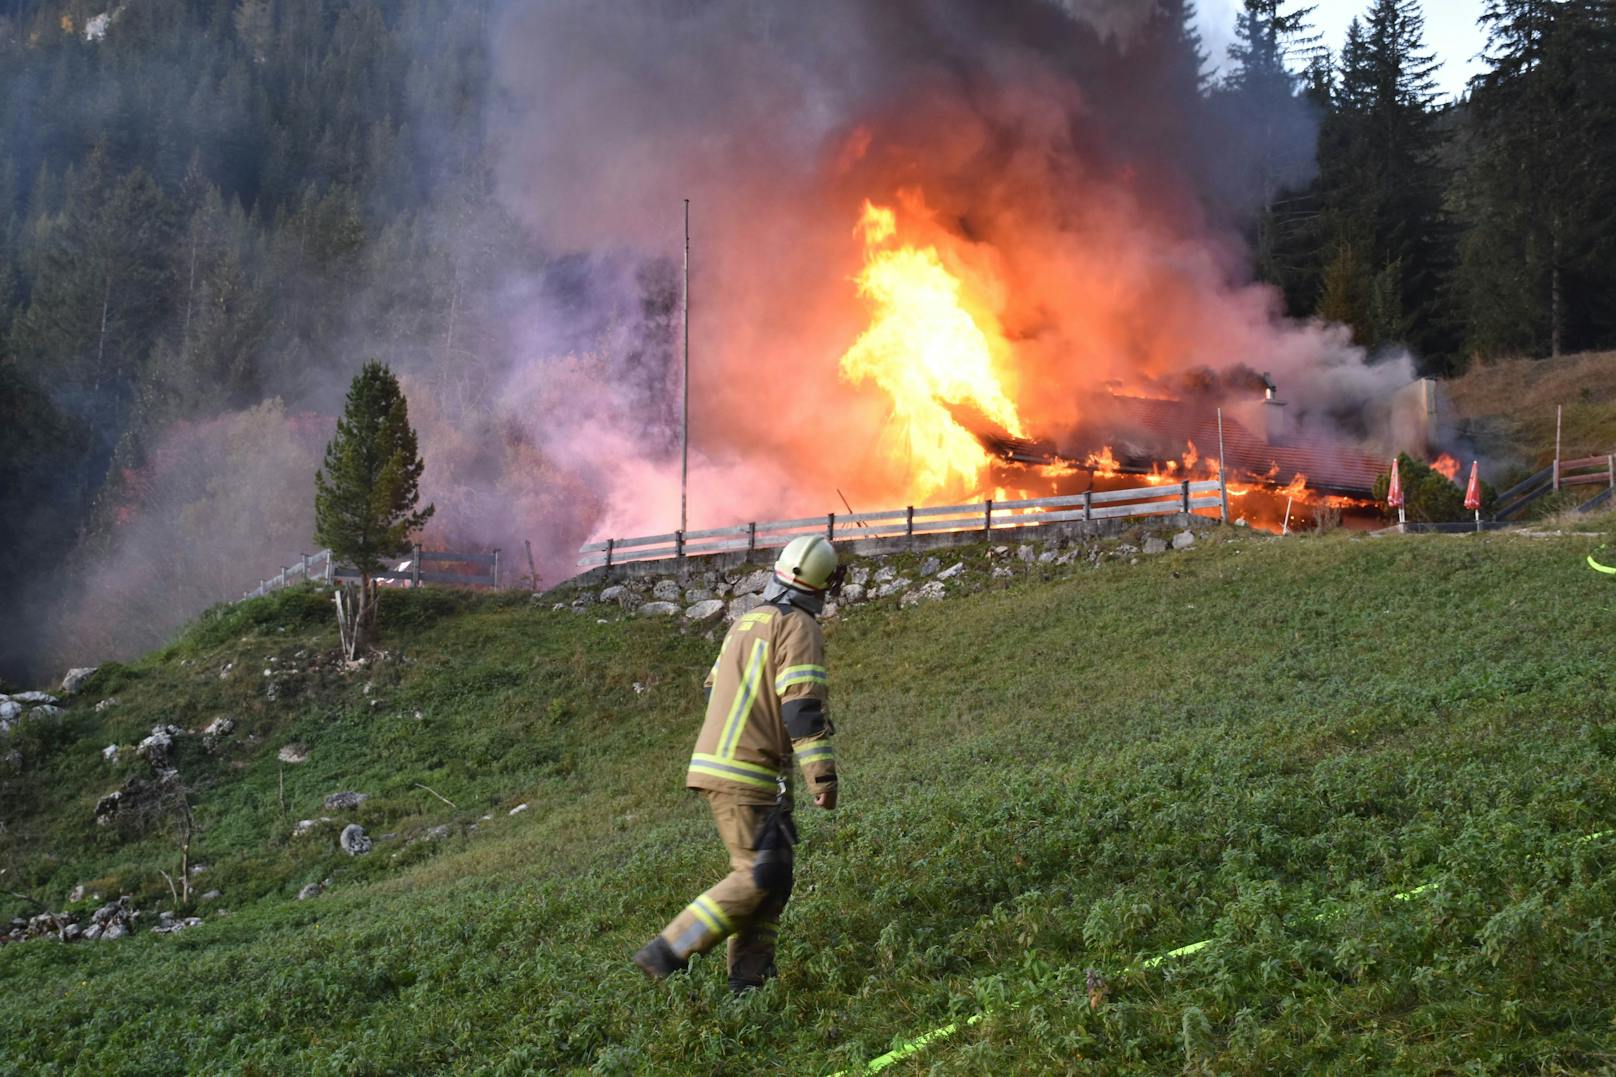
x,y
926,351
1447,466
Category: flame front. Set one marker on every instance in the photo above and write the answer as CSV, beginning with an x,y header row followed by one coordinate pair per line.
x,y
927,352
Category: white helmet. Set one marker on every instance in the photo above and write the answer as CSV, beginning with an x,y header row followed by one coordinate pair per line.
x,y
806,564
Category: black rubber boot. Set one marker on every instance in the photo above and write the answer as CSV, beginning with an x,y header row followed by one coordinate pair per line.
x,y
739,985
657,959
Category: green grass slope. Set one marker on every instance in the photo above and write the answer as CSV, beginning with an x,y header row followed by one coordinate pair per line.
x,y
1257,742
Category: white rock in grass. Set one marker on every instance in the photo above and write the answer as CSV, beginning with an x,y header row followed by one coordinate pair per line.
x,y
35,697
929,592
892,587
929,566
705,613
754,582
951,571
1183,540
293,753
106,704
353,840
76,677
9,709
110,753
345,800
667,591
518,810
658,609
309,891
1155,545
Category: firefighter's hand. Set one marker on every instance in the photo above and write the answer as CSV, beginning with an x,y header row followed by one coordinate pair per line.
x,y
826,800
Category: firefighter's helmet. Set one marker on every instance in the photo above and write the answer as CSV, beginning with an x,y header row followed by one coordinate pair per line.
x,y
808,563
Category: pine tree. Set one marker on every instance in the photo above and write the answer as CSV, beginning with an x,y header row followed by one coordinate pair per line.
x,y
1380,185
1537,271
100,290
366,495
1271,116
1174,23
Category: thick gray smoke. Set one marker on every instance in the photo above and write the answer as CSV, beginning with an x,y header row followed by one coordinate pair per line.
x,y
1054,152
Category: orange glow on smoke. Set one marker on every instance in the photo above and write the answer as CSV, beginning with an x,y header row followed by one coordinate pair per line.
x,y
1447,466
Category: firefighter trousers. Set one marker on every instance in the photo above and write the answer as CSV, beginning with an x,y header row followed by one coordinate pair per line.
x,y
736,908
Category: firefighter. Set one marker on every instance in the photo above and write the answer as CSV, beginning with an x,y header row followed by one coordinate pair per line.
x,y
766,703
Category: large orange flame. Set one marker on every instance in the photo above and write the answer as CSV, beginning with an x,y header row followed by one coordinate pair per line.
x,y
927,352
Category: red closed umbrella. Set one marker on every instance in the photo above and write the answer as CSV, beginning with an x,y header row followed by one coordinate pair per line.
x,y
1473,494
1473,491
1394,493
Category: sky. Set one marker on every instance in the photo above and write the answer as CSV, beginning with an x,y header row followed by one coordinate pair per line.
x,y
1451,32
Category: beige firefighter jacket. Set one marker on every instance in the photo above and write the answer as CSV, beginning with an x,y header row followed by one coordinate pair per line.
x,y
768,702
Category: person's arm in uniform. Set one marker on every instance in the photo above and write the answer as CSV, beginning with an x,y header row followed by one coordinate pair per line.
x,y
804,706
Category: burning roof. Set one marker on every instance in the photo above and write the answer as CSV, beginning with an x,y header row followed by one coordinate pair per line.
x,y
1147,431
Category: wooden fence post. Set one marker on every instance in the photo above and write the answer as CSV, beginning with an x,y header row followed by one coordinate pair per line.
x,y
283,576
415,566
1186,497
1610,464
329,571
751,539
987,516
679,544
909,528
305,568
609,543
1088,506
1558,410
830,526
532,569
496,568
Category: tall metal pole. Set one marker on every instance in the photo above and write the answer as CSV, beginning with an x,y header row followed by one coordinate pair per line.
x,y
1223,473
684,429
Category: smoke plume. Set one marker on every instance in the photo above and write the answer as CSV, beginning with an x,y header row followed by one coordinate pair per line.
x,y
1055,153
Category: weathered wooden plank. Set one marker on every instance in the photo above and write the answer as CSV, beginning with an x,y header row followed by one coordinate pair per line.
x,y
807,523
1140,493
716,532
486,559
345,573
935,526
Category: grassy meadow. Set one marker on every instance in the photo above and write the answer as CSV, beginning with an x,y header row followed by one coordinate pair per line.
x,y
1259,742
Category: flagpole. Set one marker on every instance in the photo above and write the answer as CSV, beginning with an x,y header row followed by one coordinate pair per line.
x,y
684,426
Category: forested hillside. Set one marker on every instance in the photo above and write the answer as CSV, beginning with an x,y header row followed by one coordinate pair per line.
x,y
208,213
211,212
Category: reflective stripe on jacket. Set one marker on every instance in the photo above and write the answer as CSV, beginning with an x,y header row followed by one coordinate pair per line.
x,y
769,674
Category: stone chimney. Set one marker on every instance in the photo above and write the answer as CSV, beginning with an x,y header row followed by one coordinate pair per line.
x,y
1276,425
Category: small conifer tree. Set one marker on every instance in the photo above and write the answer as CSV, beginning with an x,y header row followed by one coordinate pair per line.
x,y
365,496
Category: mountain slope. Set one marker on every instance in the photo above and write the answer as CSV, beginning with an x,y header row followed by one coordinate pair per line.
x,y
1254,741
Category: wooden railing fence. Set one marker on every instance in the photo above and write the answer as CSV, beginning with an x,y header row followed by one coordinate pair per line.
x,y
319,566
983,516
1588,471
